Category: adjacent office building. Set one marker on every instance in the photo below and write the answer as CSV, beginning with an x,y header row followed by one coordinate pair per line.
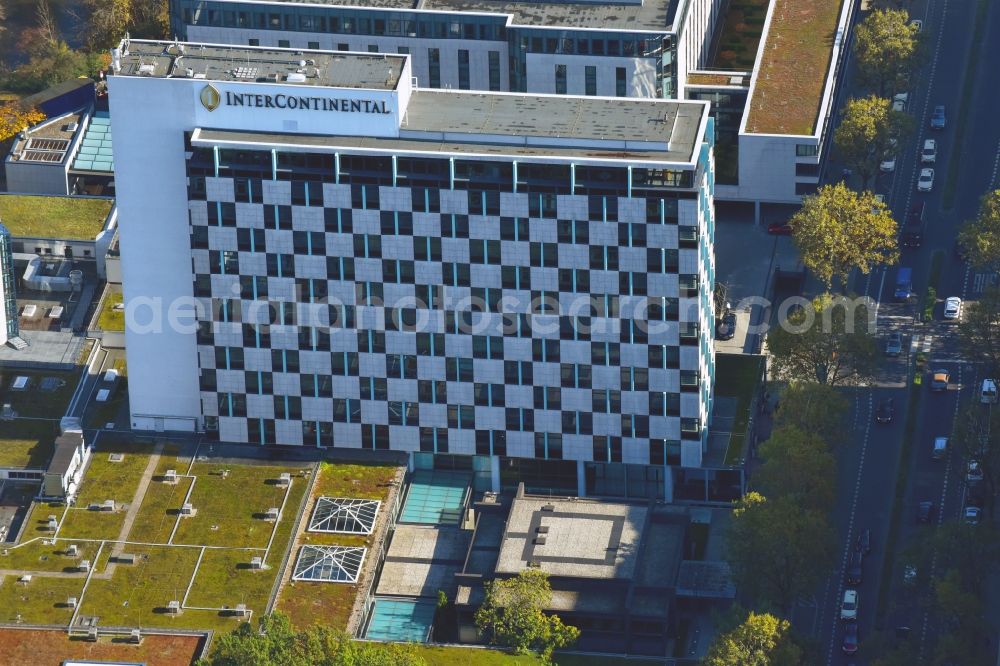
x,y
462,274
626,48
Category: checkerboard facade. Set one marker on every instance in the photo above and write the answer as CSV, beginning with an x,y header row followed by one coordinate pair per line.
x,y
365,312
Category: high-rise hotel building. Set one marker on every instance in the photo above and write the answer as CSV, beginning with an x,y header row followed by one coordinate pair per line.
x,y
316,252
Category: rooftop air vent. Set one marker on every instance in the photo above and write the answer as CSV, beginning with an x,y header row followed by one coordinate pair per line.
x,y
296,77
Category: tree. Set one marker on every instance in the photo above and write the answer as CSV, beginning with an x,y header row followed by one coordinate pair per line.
x,y
762,640
961,613
816,408
829,343
980,237
276,644
52,64
870,131
778,551
14,117
886,45
513,614
797,466
106,23
978,437
838,230
979,330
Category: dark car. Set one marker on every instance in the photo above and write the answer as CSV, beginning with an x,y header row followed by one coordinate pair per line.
x,y
726,328
885,410
854,572
938,119
779,229
924,512
850,644
864,543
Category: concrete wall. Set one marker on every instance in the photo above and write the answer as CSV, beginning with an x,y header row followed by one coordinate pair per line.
x,y
36,177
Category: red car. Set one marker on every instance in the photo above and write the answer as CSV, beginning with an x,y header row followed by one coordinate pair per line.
x,y
850,644
779,229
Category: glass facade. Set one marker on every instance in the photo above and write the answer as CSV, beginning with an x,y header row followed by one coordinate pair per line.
x,y
9,284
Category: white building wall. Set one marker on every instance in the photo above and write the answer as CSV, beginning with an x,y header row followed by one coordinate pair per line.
x,y
640,74
154,201
767,169
418,49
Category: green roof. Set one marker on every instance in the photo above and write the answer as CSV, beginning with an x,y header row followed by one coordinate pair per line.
x,y
69,218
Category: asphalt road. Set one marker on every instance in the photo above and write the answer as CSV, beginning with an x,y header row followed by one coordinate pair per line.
x,y
868,463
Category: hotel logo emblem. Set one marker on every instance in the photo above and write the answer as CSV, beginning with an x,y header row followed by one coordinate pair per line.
x,y
210,97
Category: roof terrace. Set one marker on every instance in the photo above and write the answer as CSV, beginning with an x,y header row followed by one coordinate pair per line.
x,y
794,65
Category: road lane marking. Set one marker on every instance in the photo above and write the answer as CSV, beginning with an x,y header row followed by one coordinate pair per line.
x,y
849,546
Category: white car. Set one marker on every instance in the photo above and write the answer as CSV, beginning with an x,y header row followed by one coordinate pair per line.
x,y
973,514
988,393
899,101
973,473
929,153
888,165
952,307
918,24
926,181
849,609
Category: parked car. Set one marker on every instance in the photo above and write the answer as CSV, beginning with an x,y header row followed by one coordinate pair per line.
x,y
973,472
779,229
925,510
928,155
938,120
894,344
988,392
888,164
953,308
899,101
849,606
940,449
884,411
864,543
850,643
854,568
726,328
918,24
939,380
925,183
972,515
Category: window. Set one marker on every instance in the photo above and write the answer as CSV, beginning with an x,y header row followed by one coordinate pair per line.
x,y
806,150
404,413
426,248
548,397
494,57
434,440
463,69
314,46
560,79
575,375
491,443
254,42
373,48
620,90
462,417
544,350
434,66
432,391
402,50
489,395
283,44
548,445
607,449
459,369
590,80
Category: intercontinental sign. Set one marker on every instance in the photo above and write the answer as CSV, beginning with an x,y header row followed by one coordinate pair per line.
x,y
211,99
